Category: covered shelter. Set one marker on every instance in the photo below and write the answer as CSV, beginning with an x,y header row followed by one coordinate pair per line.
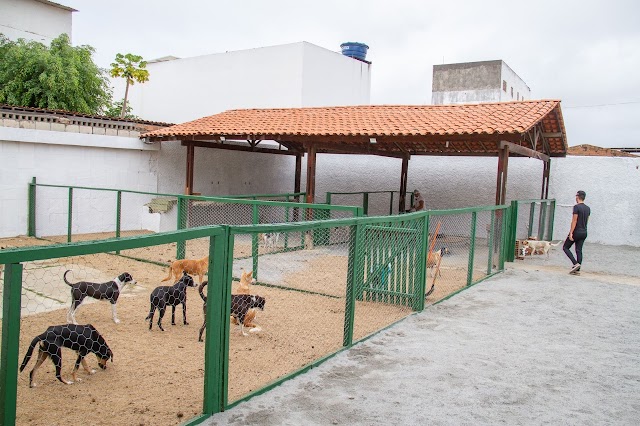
x,y
532,129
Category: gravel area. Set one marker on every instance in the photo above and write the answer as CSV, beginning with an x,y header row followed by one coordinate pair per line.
x,y
533,345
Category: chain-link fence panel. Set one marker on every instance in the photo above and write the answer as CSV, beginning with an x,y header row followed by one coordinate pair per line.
x,y
82,320
389,279
301,318
452,233
51,212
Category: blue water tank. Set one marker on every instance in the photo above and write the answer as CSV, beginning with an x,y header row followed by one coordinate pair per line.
x,y
355,50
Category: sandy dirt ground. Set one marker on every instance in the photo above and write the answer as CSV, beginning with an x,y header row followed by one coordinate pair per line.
x,y
157,377
533,345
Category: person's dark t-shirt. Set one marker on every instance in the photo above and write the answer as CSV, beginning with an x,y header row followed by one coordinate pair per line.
x,y
583,211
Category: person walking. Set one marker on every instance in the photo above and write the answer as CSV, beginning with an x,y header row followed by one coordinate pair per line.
x,y
578,232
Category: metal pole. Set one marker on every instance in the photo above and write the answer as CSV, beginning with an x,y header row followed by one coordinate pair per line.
x,y
70,218
472,248
10,342
31,224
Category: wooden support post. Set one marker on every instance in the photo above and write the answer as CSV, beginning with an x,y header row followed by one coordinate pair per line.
x,y
501,182
296,181
544,193
311,174
188,190
403,185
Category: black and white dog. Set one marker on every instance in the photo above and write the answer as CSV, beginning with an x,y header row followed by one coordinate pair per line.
x,y
108,291
173,296
84,339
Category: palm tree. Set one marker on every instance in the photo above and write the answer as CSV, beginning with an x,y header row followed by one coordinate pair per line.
x,y
131,67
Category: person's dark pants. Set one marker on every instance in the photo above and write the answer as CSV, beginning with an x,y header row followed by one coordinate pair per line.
x,y
578,239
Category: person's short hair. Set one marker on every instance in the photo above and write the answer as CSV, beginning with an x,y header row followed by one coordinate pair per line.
x,y
415,191
581,195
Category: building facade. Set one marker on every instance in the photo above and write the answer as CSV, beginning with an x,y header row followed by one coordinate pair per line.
x,y
476,82
291,75
37,20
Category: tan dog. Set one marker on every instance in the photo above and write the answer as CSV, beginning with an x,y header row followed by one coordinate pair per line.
x,y
434,260
197,267
543,246
246,279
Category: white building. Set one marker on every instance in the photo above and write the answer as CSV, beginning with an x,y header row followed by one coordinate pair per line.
x,y
290,75
38,20
475,82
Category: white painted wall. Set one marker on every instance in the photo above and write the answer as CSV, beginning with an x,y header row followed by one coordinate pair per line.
x,y
612,184
513,80
331,79
72,159
33,20
613,194
290,75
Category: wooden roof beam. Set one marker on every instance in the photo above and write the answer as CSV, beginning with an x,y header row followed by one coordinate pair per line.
x,y
521,150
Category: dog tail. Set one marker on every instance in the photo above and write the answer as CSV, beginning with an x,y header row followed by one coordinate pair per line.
x,y
64,277
168,276
433,287
201,291
556,244
32,346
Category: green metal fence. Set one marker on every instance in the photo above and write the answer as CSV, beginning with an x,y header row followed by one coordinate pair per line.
x,y
530,218
345,280
78,213
374,203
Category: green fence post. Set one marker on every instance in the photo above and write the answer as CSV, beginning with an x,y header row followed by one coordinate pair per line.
x,y
354,280
286,219
543,218
365,203
10,342
391,204
118,215
491,231
552,216
513,234
328,198
422,265
472,248
532,213
70,218
255,219
216,355
181,245
505,242
31,221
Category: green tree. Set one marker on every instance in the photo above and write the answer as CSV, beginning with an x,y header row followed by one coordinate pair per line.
x,y
115,110
59,76
132,68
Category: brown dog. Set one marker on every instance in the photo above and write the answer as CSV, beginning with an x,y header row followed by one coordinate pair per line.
x,y
197,267
434,260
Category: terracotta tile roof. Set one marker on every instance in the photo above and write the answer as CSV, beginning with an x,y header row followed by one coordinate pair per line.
x,y
416,129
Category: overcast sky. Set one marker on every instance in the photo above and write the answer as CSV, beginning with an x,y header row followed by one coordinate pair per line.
x,y
585,53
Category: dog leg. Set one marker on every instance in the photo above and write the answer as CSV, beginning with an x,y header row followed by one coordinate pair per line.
x,y
42,356
57,361
173,314
150,317
184,311
114,313
160,315
86,367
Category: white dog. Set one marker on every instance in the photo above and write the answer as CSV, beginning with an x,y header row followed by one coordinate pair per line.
x,y
543,246
270,239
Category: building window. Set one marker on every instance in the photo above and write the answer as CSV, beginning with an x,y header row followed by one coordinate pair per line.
x,y
511,92
504,85
518,96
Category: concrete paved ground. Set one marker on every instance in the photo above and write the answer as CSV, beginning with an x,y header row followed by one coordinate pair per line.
x,y
533,345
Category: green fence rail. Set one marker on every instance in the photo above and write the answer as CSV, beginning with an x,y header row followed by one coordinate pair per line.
x,y
191,211
530,218
346,279
374,203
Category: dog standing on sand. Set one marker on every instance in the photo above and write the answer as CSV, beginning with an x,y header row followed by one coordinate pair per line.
x,y
197,267
102,291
